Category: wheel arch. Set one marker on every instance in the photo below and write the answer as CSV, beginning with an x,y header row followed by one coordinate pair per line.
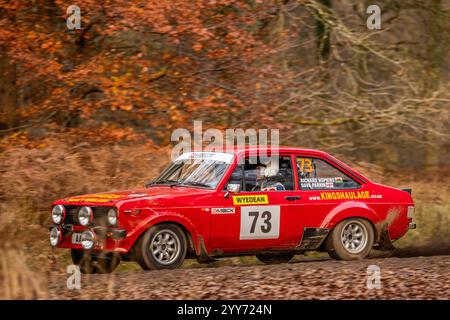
x,y
182,222
347,211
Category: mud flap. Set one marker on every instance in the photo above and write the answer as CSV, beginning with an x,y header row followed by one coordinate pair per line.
x,y
385,242
203,256
312,238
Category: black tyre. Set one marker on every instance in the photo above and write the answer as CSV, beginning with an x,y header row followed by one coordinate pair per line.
x,y
351,239
84,261
273,258
163,246
333,255
105,262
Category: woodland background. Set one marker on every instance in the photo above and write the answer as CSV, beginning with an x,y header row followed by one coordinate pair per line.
x,y
93,109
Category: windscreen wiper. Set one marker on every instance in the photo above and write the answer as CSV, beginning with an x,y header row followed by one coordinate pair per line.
x,y
169,182
197,184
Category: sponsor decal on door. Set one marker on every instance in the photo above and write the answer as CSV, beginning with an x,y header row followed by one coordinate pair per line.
x,y
223,210
255,199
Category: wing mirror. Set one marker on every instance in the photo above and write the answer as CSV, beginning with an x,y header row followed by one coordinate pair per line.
x,y
232,188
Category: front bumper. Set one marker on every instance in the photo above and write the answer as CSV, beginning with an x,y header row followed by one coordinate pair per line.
x,y
106,238
101,232
104,232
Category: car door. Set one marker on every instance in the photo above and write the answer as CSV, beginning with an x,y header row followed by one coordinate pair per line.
x,y
256,219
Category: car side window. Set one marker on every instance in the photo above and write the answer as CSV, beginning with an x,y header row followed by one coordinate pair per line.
x,y
262,177
317,174
236,177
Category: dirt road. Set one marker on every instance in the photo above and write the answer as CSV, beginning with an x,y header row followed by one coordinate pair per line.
x,y
401,278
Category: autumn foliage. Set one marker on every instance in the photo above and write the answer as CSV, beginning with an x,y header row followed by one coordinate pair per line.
x,y
146,65
136,70
93,109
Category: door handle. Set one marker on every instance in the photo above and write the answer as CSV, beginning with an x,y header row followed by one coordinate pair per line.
x,y
292,198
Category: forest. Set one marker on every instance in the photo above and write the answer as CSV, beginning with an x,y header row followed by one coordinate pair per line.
x,y
93,109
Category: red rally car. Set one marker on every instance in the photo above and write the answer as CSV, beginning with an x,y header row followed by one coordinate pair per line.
x,y
207,205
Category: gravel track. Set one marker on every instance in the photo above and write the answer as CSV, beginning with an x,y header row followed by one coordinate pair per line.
x,y
401,278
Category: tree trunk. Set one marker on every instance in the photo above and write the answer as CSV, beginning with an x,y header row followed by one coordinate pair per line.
x,y
8,91
323,34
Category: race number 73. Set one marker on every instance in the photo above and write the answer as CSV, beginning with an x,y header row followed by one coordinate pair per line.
x,y
260,222
305,164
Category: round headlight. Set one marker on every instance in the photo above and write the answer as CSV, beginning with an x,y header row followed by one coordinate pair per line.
x,y
87,239
112,217
85,216
55,236
58,214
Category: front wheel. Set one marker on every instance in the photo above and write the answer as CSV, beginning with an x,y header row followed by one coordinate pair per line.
x,y
351,239
105,262
84,261
163,246
273,258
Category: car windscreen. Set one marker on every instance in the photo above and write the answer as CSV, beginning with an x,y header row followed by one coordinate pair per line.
x,y
196,169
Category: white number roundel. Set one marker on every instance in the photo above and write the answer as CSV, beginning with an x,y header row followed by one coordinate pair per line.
x,y
260,222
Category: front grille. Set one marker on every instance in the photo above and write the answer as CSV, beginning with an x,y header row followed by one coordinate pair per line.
x,y
100,215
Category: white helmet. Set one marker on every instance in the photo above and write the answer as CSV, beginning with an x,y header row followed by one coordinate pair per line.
x,y
272,169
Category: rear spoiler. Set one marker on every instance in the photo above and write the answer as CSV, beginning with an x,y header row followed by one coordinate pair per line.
x,y
409,190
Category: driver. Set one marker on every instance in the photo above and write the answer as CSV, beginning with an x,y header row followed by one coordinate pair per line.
x,y
260,169
268,178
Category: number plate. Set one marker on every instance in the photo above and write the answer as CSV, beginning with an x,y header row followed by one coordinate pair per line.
x,y
260,222
76,238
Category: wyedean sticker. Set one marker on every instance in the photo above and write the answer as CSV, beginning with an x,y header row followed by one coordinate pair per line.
x,y
243,200
223,210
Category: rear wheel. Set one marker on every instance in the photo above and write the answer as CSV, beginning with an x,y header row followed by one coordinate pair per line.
x,y
163,246
351,239
273,258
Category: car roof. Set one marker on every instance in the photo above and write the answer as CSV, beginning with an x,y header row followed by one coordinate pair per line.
x,y
238,150
281,149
